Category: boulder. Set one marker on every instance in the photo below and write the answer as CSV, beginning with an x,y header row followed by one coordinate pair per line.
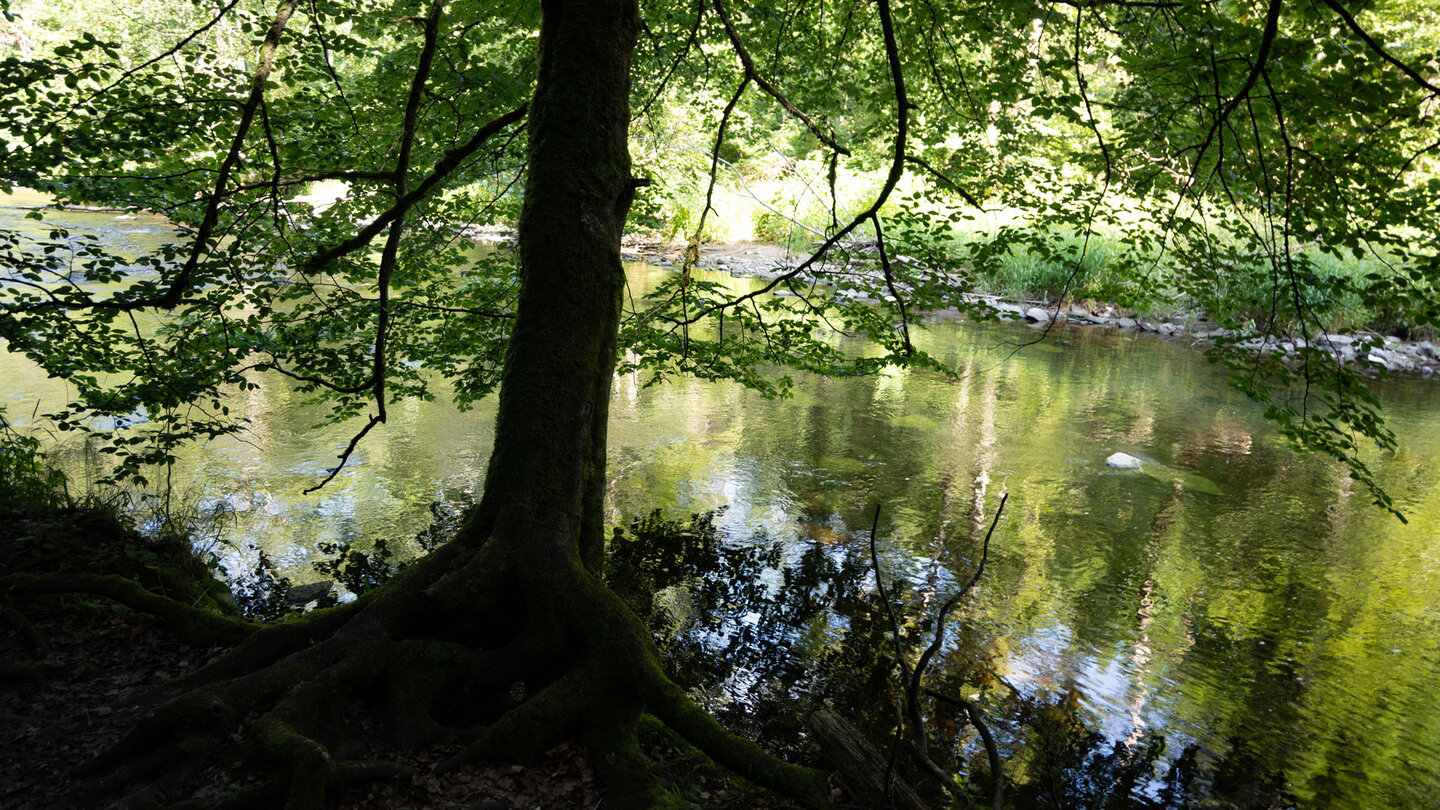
x,y
1125,323
1037,314
305,594
1392,361
1123,461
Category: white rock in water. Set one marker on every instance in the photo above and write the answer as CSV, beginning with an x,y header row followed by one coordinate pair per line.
x,y
1037,314
1123,461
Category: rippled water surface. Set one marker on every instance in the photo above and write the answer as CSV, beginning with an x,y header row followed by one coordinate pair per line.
x,y
1231,594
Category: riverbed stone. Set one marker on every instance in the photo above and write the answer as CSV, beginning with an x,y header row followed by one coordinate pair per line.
x,y
1123,461
1390,360
305,594
1386,351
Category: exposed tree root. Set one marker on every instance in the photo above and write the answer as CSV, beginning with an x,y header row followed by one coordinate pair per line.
x,y
192,625
293,711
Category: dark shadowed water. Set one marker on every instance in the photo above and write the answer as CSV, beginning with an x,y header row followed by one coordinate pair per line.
x,y
1243,603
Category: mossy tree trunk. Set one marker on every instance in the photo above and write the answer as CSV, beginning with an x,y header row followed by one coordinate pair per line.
x,y
548,463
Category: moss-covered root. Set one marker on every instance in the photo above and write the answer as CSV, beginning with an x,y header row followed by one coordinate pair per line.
x,y
613,747
291,693
195,626
737,754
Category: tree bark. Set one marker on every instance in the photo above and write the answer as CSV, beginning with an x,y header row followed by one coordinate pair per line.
x,y
548,464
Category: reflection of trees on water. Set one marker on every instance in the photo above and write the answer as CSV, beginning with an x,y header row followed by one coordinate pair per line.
x,y
765,631
1224,622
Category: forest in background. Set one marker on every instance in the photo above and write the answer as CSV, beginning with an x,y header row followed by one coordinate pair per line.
x,y
775,184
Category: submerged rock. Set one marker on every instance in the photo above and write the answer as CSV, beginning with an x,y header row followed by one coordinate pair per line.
x,y
1123,461
305,594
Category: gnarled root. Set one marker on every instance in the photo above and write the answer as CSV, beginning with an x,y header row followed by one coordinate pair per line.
x,y
480,653
192,625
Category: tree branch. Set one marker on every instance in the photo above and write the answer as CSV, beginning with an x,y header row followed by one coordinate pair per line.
x,y
443,168
345,456
1378,48
890,283
751,73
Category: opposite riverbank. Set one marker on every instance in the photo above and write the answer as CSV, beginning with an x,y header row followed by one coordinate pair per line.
x,y
1370,350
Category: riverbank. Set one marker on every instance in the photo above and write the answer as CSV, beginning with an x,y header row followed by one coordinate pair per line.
x,y
1369,350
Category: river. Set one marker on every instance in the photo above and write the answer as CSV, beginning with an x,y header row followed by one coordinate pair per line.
x,y
1232,597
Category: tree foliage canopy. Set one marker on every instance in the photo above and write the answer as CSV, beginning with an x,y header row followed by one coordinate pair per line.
x,y
1225,143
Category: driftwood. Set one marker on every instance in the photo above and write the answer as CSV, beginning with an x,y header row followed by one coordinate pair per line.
x,y
862,770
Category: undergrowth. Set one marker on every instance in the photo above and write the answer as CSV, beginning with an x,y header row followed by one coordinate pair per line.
x,y
46,526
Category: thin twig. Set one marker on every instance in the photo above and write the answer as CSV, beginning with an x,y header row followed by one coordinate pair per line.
x,y
885,598
955,599
345,456
890,284
743,55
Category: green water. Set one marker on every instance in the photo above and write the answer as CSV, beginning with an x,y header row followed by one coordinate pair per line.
x,y
1232,595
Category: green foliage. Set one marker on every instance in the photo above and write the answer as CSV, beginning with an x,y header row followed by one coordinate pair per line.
x,y
1270,171
25,480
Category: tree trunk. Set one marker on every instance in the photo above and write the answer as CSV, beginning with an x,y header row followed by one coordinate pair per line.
x,y
548,464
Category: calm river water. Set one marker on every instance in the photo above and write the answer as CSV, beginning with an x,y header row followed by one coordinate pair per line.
x,y
1232,596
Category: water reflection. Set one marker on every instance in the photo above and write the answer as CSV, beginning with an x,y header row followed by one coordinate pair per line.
x,y
1241,602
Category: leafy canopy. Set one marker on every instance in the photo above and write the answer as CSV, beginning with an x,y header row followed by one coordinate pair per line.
x,y
1224,146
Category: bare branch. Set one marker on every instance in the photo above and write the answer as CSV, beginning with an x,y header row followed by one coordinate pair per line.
x,y
890,284
992,751
345,456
